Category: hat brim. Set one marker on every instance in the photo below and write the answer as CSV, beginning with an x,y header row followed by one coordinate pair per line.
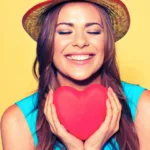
x,y
116,9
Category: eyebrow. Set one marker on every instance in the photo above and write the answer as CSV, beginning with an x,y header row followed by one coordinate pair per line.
x,y
86,25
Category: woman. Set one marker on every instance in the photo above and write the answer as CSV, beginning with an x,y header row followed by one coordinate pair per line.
x,y
76,47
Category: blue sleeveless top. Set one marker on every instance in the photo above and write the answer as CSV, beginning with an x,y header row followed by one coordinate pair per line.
x,y
28,106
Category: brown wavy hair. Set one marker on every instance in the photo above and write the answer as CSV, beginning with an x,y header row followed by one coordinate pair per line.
x,y
46,73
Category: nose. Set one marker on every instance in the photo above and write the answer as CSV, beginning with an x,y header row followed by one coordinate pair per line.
x,y
80,40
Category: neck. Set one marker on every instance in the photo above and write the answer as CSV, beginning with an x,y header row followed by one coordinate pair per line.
x,y
77,84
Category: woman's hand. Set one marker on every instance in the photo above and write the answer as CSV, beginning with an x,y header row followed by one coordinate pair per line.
x,y
70,141
110,126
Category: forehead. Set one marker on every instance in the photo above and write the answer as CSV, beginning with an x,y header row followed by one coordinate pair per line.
x,y
79,11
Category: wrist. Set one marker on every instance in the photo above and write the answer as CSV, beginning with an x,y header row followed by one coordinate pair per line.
x,y
76,149
92,148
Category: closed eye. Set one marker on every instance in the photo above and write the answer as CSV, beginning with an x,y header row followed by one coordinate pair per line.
x,y
64,32
94,32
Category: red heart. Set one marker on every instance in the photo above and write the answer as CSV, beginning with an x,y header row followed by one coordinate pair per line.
x,y
81,112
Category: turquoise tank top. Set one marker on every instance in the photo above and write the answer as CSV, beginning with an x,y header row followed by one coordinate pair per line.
x,y
28,106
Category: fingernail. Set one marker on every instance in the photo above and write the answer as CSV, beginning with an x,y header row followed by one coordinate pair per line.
x,y
51,91
108,89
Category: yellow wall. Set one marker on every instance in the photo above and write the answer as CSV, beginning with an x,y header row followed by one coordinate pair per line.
x,y
17,50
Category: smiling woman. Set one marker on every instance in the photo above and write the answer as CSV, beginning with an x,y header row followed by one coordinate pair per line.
x,y
79,42
76,48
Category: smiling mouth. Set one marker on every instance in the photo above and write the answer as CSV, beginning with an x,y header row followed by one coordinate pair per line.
x,y
80,57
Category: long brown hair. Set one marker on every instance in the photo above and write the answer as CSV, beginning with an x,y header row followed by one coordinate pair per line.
x,y
126,137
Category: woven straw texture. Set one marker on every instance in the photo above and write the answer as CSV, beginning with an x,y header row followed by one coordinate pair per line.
x,y
115,8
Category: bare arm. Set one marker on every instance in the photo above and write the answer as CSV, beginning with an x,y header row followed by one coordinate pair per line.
x,y
15,131
142,121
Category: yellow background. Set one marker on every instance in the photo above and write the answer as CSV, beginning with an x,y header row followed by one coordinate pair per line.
x,y
17,50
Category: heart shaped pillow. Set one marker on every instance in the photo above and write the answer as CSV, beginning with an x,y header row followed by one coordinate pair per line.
x,y
81,112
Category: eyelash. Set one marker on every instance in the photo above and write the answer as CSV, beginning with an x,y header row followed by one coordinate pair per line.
x,y
94,32
62,33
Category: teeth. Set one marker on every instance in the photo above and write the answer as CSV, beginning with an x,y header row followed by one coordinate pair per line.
x,y
79,57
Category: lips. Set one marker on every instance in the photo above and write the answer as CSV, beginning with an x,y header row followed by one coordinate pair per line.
x,y
79,57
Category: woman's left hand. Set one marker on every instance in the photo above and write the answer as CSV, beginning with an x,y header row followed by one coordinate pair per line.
x,y
110,126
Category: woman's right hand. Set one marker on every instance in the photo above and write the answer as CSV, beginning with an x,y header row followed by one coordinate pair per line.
x,y
70,141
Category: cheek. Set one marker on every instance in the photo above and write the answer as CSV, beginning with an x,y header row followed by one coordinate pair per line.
x,y
60,43
59,46
98,43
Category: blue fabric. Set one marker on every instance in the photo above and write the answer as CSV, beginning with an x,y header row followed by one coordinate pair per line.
x,y
29,109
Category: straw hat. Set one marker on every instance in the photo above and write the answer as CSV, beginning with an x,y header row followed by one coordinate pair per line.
x,y
115,8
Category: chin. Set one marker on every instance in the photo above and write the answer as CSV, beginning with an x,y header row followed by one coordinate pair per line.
x,y
80,77
86,77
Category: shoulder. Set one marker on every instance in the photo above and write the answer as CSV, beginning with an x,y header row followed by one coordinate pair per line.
x,y
12,115
28,104
143,107
131,90
14,130
132,93
142,121
144,101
